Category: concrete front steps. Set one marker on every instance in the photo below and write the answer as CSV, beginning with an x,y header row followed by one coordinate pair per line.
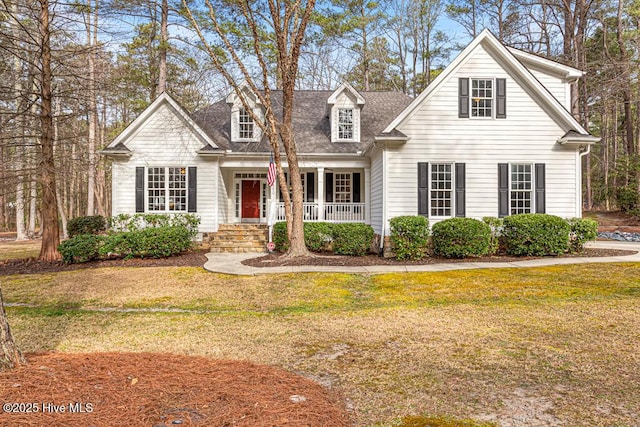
x,y
239,238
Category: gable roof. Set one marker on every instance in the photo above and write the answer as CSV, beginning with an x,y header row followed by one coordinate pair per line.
x,y
118,146
346,87
311,123
551,105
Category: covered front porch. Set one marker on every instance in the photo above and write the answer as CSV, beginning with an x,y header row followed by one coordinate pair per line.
x,y
330,195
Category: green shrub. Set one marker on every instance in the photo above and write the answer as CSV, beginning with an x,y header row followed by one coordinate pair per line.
x,y
352,239
140,221
151,242
80,248
280,236
86,225
581,231
535,235
409,236
317,235
460,238
496,225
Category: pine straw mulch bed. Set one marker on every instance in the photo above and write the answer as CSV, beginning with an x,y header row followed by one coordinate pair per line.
x,y
319,259
193,258
136,389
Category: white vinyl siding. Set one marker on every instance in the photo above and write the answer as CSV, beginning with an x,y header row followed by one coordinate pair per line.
x,y
164,140
376,190
527,135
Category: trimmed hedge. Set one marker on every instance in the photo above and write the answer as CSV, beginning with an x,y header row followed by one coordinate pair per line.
x,y
409,237
318,235
581,231
352,238
535,235
81,248
460,238
152,242
86,225
140,221
346,239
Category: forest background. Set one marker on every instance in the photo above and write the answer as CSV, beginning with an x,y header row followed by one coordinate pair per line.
x,y
69,87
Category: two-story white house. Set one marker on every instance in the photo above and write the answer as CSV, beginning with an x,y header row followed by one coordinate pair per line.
x,y
491,136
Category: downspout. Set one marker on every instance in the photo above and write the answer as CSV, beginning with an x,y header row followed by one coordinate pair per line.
x,y
384,200
582,152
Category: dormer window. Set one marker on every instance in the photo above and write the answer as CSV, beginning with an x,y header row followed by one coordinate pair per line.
x,y
245,125
345,123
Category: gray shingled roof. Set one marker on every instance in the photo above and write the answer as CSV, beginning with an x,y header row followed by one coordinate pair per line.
x,y
310,122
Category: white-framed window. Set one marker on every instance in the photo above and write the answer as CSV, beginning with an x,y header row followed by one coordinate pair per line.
x,y
345,124
303,180
167,189
482,94
245,125
521,188
342,187
441,190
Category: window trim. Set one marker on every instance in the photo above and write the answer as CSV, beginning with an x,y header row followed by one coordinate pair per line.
x,y
531,190
335,182
352,124
452,190
243,113
166,190
492,98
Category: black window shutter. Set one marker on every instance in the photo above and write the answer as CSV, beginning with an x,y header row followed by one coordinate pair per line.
x,y
501,98
311,183
286,179
460,190
328,187
423,189
503,189
356,187
463,98
540,188
140,189
192,189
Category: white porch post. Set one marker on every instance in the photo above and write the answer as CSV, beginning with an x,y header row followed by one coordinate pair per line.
x,y
320,194
367,195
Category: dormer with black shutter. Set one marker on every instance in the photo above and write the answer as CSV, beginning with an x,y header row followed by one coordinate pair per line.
x,y
343,109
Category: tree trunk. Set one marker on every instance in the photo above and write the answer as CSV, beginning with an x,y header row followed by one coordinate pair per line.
x,y
10,355
50,228
164,41
92,113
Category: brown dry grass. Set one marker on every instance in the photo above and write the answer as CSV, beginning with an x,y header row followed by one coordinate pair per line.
x,y
12,250
522,347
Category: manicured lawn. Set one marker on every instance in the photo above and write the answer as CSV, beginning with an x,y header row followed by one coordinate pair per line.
x,y
541,345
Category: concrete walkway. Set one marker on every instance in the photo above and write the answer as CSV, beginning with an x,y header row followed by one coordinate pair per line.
x,y
229,263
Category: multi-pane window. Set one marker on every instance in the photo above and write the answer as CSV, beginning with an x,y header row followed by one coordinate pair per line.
x,y
245,124
481,97
342,182
177,189
441,189
521,190
345,123
163,182
156,188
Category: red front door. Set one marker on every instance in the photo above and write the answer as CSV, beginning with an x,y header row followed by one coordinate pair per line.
x,y
251,199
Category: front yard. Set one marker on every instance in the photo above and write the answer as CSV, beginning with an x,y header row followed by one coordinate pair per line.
x,y
544,346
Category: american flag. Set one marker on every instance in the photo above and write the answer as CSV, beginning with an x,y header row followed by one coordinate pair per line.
x,y
271,174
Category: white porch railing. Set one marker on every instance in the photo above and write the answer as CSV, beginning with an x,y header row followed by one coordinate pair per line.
x,y
333,212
